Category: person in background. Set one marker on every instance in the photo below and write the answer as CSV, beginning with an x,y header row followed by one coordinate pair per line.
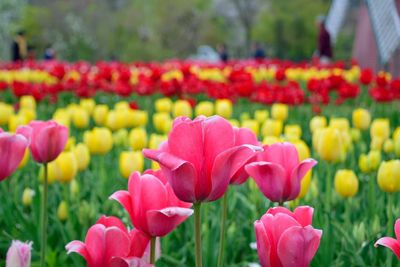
x,y
223,52
19,47
324,52
31,52
49,53
258,51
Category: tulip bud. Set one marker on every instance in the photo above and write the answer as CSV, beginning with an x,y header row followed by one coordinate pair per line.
x,y
223,108
120,137
376,143
100,114
130,161
162,122
330,144
234,123
396,133
74,188
355,134
163,105
27,196
15,121
80,118
62,211
317,122
28,102
374,159
138,118
252,125
205,108
279,111
346,183
28,114
342,124
62,117
19,254
360,233
67,165
82,155
272,127
305,184
380,128
88,104
244,116
114,120
302,150
363,163
98,140
361,118
6,111
389,176
293,131
138,138
70,143
261,115
269,140
388,146
182,108
121,105
156,140
24,160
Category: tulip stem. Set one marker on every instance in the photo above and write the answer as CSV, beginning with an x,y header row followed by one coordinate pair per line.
x,y
153,250
280,203
224,212
197,226
328,188
44,218
390,225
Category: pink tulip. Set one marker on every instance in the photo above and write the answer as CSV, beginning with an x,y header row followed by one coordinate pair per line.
x,y
389,242
152,205
19,254
278,172
285,238
109,244
12,150
47,139
200,157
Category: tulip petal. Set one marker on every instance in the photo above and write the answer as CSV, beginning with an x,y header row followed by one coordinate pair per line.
x,y
139,243
109,221
129,262
80,248
244,136
269,177
303,215
297,175
117,243
397,228
95,244
12,149
390,243
284,154
161,222
123,198
263,244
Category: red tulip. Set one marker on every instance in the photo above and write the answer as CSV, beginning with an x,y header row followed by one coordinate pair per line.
x,y
278,172
285,238
12,150
47,139
152,205
391,243
200,157
109,244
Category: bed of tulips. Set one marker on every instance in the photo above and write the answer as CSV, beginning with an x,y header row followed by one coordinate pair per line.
x,y
180,164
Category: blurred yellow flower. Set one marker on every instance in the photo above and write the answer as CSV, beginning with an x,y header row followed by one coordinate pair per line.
x,y
329,144
361,119
388,146
272,127
163,104
27,102
130,161
317,122
346,183
380,128
24,160
62,211
305,184
98,140
82,155
389,176
342,124
182,108
27,196
138,138
100,114
6,111
205,108
293,131
261,115
88,104
252,125
223,108
80,118
68,166
162,122
156,140
279,111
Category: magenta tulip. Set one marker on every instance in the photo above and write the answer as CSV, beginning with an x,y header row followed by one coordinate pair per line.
x,y
200,157
285,238
12,150
392,243
47,139
278,172
152,205
109,244
19,254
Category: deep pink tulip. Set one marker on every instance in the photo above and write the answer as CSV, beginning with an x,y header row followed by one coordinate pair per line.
x,y
278,172
152,205
109,244
389,242
47,139
285,238
19,254
12,150
200,157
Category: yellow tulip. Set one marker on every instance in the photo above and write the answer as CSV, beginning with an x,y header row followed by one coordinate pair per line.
x,y
346,183
234,123
162,122
293,131
24,159
62,211
62,116
244,116
261,115
120,137
205,108
355,134
389,176
88,104
98,140
163,105
27,196
223,108
305,184
29,114
269,140
396,133
138,138
53,171
376,143
361,119
15,121
156,140
138,118
122,105
130,161
279,111
68,166
74,188
82,155
272,127
363,163
70,143
330,145
252,125
302,149
374,159
397,146
6,111
380,128
115,120
80,118
317,122
182,108
155,166
342,124
100,114
388,146
27,102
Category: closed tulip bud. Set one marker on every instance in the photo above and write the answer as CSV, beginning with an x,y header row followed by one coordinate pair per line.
x,y
261,115
376,143
388,146
397,146
380,128
156,140
360,233
205,108
302,149
305,184
162,122
374,159
70,143
27,196
130,161
252,125
155,166
223,108
361,119
115,121
293,131
74,188
272,127
62,117
82,155
182,108
279,111
244,116
68,167
396,133
355,134
53,172
88,104
138,118
19,254
330,144
28,102
346,183
99,141
24,160
234,123
28,114
317,122
138,138
121,105
163,105
62,211
6,111
16,121
389,176
363,163
100,114
342,124
269,140
80,118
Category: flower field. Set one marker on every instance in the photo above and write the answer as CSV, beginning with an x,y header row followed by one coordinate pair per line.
x,y
272,163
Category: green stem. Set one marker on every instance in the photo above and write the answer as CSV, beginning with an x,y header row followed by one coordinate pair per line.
x,y
371,196
197,226
280,203
224,211
153,250
44,218
390,226
328,188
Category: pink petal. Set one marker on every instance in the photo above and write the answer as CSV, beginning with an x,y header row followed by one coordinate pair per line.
x,y
124,198
12,148
158,173
244,136
263,245
117,243
80,248
162,222
95,244
390,243
397,228
270,179
109,221
139,243
297,175
284,154
303,215
298,245
129,262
